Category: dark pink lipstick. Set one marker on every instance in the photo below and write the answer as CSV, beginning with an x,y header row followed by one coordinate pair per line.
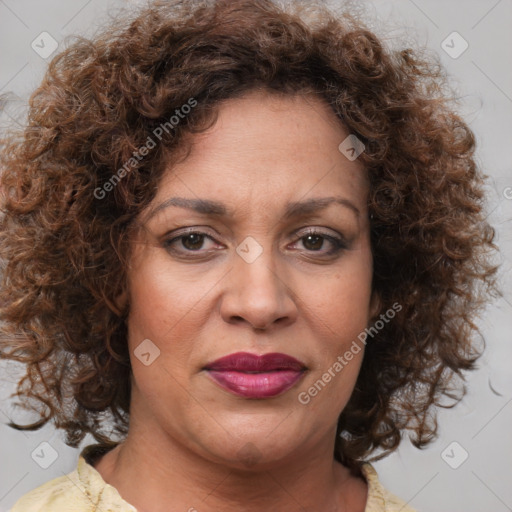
x,y
253,376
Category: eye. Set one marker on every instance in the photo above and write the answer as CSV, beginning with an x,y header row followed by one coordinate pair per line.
x,y
193,241
188,242
314,240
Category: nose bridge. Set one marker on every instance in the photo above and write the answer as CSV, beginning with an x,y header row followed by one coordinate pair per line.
x,y
256,292
255,267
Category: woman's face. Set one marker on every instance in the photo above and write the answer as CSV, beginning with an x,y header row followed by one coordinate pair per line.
x,y
252,280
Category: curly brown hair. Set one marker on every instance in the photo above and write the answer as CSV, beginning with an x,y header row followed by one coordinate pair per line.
x,y
65,249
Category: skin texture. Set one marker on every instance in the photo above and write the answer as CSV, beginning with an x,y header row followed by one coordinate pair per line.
x,y
191,443
66,249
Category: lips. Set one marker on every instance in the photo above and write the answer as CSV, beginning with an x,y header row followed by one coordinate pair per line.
x,y
252,376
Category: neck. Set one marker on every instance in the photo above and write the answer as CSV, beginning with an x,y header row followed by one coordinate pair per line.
x,y
156,471
156,474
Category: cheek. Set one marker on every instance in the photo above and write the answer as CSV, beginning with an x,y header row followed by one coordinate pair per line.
x,y
161,310
342,314
341,299
163,299
339,305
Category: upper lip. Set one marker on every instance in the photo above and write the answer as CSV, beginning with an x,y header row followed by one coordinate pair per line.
x,y
247,362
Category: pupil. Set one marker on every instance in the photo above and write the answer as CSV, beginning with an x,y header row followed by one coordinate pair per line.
x,y
317,237
196,240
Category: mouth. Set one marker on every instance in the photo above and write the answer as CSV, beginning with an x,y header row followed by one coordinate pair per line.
x,y
252,376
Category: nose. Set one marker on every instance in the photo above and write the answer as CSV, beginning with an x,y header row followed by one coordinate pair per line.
x,y
257,293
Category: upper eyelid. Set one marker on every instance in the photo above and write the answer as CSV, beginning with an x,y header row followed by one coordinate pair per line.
x,y
298,234
304,231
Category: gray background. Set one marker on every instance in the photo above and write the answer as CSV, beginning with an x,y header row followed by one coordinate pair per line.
x,y
482,77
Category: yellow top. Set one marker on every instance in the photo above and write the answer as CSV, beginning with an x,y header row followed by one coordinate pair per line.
x,y
84,490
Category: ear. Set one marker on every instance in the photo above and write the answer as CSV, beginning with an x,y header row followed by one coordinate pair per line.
x,y
375,304
120,300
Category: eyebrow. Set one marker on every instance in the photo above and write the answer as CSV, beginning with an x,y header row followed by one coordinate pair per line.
x,y
293,209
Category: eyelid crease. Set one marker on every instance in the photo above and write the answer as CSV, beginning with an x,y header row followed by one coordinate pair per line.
x,y
339,241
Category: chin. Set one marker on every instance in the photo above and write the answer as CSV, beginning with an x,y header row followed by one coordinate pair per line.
x,y
250,449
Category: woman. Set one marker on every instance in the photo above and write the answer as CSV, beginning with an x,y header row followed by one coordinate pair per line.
x,y
253,239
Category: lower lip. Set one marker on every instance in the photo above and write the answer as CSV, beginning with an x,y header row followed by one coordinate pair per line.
x,y
256,385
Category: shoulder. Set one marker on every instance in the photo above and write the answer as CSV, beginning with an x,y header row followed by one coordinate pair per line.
x,y
82,490
379,499
60,494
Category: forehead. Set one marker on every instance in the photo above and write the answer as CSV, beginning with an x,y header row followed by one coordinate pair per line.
x,y
265,149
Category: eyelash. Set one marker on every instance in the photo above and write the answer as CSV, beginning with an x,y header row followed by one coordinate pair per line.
x,y
338,243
